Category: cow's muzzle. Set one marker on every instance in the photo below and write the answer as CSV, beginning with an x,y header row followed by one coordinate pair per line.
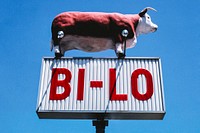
x,y
155,28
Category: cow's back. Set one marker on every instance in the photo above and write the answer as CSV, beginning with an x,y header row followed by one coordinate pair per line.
x,y
93,24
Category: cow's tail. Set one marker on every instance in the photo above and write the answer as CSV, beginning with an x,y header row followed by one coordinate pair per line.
x,y
51,44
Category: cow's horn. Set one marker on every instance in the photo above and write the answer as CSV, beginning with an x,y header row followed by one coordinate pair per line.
x,y
145,11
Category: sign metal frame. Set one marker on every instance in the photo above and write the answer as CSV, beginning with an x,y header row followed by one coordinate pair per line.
x,y
44,112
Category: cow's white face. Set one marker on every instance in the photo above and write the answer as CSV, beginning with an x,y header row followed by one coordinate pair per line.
x,y
145,25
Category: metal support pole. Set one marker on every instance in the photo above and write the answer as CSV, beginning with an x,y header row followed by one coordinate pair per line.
x,y
100,125
124,47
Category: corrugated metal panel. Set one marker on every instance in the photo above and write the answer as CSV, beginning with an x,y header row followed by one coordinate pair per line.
x,y
96,101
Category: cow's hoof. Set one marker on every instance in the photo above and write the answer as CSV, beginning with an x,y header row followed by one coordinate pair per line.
x,y
58,55
120,55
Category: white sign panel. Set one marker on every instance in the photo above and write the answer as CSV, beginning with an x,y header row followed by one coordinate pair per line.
x,y
110,88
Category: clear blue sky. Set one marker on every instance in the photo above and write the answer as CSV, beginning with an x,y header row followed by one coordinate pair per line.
x,y
25,38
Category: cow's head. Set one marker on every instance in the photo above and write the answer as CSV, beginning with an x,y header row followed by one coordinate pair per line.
x,y
145,25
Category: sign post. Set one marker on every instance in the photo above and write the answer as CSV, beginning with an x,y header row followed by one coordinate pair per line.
x,y
100,125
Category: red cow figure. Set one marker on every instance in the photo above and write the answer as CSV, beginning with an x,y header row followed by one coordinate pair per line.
x,y
97,31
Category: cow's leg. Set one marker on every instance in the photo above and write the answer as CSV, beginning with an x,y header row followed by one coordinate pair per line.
x,y
119,51
58,53
57,48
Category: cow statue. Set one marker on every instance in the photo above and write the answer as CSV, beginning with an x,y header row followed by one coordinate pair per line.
x,y
97,31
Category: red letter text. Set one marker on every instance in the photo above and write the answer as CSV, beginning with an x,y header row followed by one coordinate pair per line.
x,y
112,86
63,83
81,74
149,84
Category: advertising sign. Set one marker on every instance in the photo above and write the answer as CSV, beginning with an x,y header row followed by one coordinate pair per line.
x,y
94,88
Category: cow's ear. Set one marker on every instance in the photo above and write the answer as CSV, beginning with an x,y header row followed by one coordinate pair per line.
x,y
142,13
